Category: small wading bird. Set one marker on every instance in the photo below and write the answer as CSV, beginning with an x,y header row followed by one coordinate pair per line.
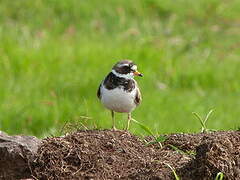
x,y
119,91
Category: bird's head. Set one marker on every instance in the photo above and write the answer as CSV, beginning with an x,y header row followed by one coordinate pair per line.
x,y
126,69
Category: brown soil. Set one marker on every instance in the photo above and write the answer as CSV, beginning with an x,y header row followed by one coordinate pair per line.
x,y
106,154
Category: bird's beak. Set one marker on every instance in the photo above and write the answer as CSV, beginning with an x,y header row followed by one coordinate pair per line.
x,y
136,73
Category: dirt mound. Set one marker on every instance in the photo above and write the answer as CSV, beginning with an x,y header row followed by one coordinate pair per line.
x,y
217,152
95,154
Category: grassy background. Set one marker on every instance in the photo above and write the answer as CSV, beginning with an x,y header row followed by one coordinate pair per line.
x,y
54,54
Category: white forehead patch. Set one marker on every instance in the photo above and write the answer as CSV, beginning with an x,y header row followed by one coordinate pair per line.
x,y
134,67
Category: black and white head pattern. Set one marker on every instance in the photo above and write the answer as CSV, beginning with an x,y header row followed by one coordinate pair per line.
x,y
124,69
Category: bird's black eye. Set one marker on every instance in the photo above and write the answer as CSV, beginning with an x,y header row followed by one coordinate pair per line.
x,y
126,69
130,67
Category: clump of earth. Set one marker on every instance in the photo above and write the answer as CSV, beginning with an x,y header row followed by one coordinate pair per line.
x,y
107,154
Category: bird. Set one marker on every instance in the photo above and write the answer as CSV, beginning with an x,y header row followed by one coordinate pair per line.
x,y
119,92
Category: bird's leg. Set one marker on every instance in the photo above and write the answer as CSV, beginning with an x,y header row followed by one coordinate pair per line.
x,y
129,120
113,121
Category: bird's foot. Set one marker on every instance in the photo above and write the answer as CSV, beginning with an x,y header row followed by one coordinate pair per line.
x,y
114,128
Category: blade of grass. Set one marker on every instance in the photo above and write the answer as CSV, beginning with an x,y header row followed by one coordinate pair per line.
x,y
191,153
157,140
219,176
176,149
145,128
209,113
173,170
200,120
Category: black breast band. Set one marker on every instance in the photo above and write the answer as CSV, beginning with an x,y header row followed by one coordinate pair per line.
x,y
112,81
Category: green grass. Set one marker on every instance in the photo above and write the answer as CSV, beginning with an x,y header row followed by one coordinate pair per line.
x,y
54,54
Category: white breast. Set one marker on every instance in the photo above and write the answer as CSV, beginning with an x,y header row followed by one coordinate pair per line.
x,y
118,99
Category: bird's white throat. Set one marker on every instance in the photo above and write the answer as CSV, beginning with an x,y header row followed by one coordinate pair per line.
x,y
126,76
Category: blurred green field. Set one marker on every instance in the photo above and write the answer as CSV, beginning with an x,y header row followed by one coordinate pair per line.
x,y
54,54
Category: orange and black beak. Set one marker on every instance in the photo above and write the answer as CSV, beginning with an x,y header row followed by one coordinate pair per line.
x,y
136,73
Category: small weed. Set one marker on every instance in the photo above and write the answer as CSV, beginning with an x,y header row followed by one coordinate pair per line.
x,y
203,121
219,176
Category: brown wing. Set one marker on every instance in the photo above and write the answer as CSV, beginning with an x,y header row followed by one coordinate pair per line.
x,y
138,97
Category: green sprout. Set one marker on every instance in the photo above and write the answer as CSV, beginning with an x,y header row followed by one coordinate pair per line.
x,y
203,121
219,176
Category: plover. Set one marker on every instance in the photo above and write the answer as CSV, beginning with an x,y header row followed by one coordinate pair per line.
x,y
119,92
